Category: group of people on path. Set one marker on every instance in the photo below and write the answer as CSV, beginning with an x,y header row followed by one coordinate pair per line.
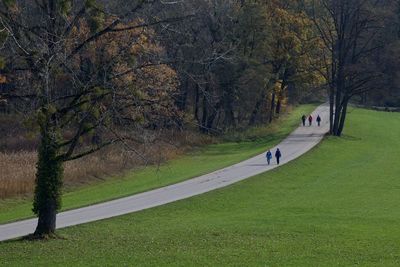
x,y
278,156
310,120
278,153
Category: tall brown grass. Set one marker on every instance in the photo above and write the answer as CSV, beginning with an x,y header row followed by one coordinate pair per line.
x,y
17,168
16,173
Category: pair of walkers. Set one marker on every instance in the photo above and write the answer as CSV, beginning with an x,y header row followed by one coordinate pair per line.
x,y
278,156
310,120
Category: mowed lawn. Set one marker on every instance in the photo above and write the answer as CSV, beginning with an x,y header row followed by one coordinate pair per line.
x,y
201,161
338,205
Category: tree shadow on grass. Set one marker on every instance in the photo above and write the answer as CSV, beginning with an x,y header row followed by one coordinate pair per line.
x,y
34,238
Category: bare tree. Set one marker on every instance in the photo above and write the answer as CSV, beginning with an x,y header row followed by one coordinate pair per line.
x,y
350,30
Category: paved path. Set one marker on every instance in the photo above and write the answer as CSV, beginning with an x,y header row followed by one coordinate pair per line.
x,y
295,145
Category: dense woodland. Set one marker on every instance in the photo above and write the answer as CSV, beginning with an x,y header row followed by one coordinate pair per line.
x,y
85,74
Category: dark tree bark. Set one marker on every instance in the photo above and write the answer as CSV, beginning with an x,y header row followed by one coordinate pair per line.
x,y
46,220
204,115
213,116
272,108
338,97
196,104
342,119
282,92
278,106
257,109
331,92
182,98
229,120
48,184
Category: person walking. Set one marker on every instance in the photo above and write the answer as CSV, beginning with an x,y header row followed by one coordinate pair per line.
x,y
278,155
268,156
303,119
319,120
310,118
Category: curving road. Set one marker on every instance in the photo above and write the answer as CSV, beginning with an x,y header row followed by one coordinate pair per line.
x,y
295,145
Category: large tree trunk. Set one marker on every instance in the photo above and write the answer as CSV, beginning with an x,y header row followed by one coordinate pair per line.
x,y
203,126
331,108
211,118
257,108
47,220
338,99
228,99
183,95
271,115
260,102
282,93
338,112
196,104
337,116
48,185
278,106
229,120
342,118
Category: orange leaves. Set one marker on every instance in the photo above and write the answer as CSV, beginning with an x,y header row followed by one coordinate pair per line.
x,y
131,59
3,79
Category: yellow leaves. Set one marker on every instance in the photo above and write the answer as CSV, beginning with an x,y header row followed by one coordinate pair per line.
x,y
51,109
143,39
291,29
278,87
2,62
112,49
123,67
144,44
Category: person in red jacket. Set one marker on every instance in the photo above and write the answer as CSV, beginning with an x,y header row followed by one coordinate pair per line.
x,y
310,118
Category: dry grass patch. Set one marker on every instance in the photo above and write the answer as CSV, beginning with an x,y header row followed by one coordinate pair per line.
x,y
17,175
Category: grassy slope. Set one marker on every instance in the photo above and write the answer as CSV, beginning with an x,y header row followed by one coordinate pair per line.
x,y
336,206
206,160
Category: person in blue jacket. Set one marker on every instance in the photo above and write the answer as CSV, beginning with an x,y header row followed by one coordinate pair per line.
x,y
268,156
319,120
278,155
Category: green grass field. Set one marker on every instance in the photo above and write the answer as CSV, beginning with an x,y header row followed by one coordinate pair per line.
x,y
205,160
336,206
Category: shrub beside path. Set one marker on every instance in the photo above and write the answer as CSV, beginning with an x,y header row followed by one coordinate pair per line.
x,y
296,144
